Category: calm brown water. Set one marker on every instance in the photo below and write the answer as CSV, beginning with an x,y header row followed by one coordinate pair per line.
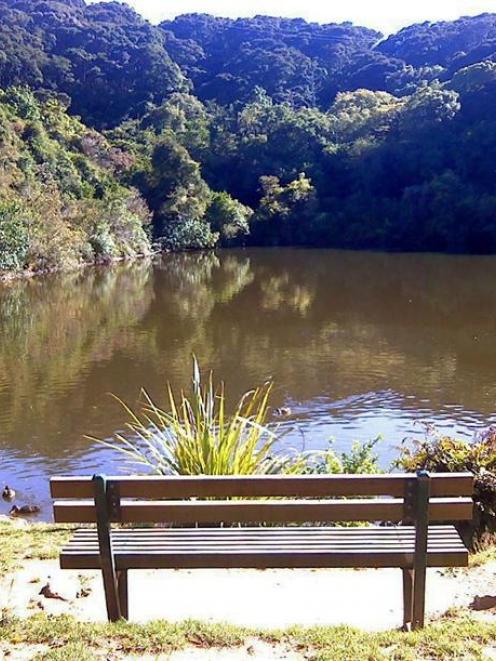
x,y
358,344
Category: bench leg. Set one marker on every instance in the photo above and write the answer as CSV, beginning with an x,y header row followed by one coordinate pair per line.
x,y
123,593
110,585
407,598
418,620
107,560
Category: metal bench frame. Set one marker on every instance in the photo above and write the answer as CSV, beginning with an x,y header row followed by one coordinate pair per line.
x,y
412,500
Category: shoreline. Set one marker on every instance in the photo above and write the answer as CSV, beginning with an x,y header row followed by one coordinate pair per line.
x,y
29,274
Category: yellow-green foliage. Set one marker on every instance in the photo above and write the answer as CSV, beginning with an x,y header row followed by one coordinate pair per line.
x,y
60,203
197,436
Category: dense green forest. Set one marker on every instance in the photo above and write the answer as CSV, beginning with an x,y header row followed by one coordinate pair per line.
x,y
116,134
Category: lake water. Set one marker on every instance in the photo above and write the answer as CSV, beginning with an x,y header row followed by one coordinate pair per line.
x,y
358,344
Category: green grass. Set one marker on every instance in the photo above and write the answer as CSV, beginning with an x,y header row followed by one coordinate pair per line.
x,y
456,637
34,542
65,638
483,556
154,638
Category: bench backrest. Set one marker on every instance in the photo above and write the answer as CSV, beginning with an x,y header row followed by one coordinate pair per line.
x,y
263,499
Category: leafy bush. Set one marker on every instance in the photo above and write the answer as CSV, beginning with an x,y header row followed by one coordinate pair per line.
x,y
13,238
102,242
190,234
228,217
442,454
360,460
196,436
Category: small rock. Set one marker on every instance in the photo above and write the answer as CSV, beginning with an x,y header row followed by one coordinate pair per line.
x,y
483,603
36,603
49,593
84,592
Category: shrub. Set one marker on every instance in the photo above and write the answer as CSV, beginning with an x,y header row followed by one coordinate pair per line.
x,y
128,218
361,459
194,234
196,436
442,454
228,217
13,238
102,242
53,242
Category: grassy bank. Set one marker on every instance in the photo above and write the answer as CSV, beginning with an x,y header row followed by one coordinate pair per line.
x,y
33,542
64,637
457,636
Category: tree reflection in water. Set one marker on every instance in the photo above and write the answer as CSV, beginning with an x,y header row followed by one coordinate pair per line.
x,y
357,343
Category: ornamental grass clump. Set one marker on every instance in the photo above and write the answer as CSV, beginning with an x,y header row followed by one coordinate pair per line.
x,y
197,436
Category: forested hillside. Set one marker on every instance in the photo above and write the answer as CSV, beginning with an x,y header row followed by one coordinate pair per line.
x,y
61,204
266,131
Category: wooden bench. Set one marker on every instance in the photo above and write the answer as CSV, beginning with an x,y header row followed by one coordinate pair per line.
x,y
209,511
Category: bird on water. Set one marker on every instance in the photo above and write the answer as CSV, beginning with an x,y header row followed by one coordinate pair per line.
x,y
24,510
283,412
8,493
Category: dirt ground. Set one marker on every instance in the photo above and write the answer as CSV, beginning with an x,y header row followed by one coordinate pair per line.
x,y
270,599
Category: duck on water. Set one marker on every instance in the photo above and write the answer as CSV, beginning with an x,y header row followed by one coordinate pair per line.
x,y
8,494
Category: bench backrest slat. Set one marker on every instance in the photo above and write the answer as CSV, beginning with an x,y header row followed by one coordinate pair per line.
x,y
314,486
284,511
301,499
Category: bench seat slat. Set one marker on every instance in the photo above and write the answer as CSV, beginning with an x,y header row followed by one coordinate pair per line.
x,y
276,532
275,511
277,560
175,487
315,532
140,543
367,547
267,546
184,544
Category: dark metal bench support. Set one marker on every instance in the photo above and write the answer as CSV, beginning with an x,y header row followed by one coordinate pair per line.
x,y
109,574
407,598
122,582
421,540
